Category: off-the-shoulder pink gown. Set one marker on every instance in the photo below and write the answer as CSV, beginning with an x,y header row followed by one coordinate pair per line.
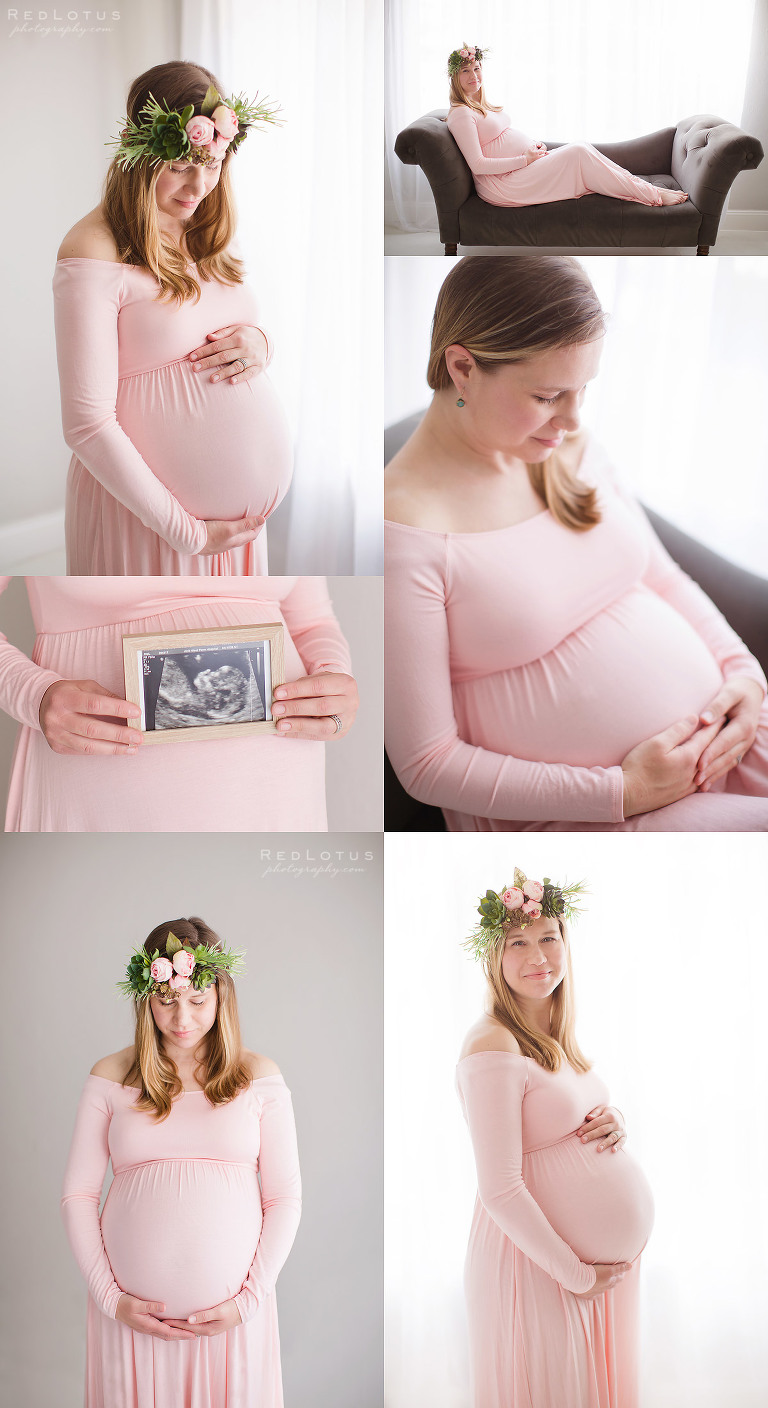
x,y
495,154
158,447
259,783
548,1207
203,1208
524,663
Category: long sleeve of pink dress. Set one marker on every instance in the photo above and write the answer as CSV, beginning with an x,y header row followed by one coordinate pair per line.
x,y
548,1208
495,154
251,783
157,447
203,1208
512,709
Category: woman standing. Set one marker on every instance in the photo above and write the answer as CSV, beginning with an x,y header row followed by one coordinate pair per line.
x,y
205,1201
563,1212
180,447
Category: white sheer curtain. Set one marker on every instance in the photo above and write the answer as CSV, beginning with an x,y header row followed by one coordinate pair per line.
x,y
310,207
670,963
564,70
679,398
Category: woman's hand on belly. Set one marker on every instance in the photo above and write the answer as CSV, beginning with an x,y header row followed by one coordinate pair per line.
x,y
607,1276
236,353
225,533
307,706
80,716
535,150
663,769
737,705
211,1322
142,1315
604,1123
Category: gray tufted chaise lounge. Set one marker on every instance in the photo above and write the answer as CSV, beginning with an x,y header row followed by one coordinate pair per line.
x,y
702,155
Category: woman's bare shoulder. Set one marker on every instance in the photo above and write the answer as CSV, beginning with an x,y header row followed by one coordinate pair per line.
x,y
90,238
260,1065
116,1066
488,1035
409,493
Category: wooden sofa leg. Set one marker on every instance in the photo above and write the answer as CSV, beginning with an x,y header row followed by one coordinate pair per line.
x,y
702,249
451,249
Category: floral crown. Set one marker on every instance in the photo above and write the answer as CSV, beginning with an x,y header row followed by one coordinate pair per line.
x,y
520,904
184,965
162,134
459,57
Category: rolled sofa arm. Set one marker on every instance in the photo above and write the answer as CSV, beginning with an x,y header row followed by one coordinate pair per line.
x,y
707,156
428,143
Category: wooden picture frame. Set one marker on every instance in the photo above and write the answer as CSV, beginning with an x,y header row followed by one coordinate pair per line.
x,y
238,668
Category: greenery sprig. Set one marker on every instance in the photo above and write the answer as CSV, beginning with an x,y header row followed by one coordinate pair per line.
x,y
519,904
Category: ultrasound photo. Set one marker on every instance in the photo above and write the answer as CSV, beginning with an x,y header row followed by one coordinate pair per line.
x,y
192,686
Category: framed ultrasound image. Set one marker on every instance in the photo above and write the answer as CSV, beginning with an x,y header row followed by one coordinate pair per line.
x,y
214,683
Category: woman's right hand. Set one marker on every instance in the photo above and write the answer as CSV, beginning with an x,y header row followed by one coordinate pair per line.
x,y
80,716
141,1315
535,150
662,769
608,1275
225,533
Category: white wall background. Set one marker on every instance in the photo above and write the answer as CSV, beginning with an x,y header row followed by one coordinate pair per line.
x,y
678,402
310,998
354,780
670,961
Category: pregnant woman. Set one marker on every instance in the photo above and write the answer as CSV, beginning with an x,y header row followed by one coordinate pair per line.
x,y
205,1201
510,169
180,447
563,1212
549,666
77,767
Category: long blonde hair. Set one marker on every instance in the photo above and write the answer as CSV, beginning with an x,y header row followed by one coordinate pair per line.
x,y
130,207
223,1069
509,309
457,95
547,1051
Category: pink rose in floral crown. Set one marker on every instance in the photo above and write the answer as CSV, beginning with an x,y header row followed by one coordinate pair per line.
x,y
200,131
161,970
183,963
218,147
512,898
178,983
225,121
530,907
533,889
464,53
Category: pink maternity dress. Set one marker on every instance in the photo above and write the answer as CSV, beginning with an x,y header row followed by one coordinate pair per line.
x,y
495,154
203,1208
259,783
524,663
548,1206
157,447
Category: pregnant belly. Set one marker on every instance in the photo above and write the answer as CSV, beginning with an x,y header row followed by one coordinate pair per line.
x,y
630,672
600,1204
223,450
182,1232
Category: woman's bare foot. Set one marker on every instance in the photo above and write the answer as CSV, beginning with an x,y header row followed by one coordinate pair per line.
x,y
671,197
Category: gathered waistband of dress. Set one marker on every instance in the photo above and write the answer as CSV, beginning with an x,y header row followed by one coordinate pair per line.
x,y
197,1159
551,1145
150,610
147,371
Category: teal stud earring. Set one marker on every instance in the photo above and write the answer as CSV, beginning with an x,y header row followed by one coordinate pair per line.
x,y
460,402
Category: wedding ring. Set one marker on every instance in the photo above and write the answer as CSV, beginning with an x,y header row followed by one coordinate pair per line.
x,y
337,721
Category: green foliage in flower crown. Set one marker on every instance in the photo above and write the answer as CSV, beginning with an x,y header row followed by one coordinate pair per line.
x,y
557,902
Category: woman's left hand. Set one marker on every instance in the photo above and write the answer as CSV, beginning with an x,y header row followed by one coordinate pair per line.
x,y
210,1322
606,1124
305,708
234,354
738,704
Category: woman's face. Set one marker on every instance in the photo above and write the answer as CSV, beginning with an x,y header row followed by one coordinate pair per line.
x,y
185,1020
471,78
181,186
534,960
524,408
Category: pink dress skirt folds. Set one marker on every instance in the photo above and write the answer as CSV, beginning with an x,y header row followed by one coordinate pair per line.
x,y
157,447
495,154
524,663
203,1208
249,783
548,1207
